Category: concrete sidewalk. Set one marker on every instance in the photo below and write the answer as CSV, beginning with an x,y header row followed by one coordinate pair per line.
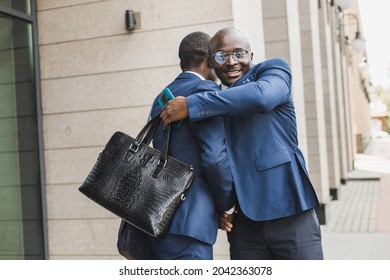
x,y
359,220
359,225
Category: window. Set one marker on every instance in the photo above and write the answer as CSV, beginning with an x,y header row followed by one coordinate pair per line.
x,y
22,230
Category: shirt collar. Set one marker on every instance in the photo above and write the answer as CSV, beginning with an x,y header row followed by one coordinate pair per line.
x,y
196,74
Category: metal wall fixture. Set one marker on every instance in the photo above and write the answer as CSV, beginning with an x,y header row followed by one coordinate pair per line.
x,y
130,20
358,43
343,4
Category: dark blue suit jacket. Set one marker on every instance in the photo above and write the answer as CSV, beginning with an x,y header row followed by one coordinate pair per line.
x,y
269,171
201,144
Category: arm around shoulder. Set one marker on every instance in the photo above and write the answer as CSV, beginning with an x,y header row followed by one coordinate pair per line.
x,y
264,87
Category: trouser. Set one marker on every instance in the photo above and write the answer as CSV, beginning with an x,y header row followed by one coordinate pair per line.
x,y
135,244
296,237
178,247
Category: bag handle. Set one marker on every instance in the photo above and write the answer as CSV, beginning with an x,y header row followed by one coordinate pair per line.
x,y
162,162
145,136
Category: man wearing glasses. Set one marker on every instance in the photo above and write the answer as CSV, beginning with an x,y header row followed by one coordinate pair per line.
x,y
274,215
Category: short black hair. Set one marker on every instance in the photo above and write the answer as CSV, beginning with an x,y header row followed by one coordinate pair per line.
x,y
193,49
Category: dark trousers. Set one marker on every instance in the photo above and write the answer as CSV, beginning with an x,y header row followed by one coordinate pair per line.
x,y
177,247
135,244
296,237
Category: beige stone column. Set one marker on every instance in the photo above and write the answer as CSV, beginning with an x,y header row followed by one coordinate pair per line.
x,y
338,58
348,114
328,83
314,99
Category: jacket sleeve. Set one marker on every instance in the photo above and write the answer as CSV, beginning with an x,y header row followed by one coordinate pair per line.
x,y
263,88
210,136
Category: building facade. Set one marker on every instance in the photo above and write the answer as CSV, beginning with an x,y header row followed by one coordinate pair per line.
x,y
71,74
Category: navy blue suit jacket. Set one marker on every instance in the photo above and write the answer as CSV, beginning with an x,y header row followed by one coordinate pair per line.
x,y
201,144
269,171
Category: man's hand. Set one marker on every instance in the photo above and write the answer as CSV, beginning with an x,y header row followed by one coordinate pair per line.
x,y
226,221
175,110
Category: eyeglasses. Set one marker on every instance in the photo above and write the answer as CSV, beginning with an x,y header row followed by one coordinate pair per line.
x,y
222,57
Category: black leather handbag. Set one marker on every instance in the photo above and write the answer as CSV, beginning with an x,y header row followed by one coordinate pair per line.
x,y
138,183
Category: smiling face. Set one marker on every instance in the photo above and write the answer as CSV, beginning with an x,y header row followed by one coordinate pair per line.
x,y
230,42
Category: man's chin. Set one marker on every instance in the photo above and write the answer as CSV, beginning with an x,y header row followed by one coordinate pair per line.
x,y
229,81
233,77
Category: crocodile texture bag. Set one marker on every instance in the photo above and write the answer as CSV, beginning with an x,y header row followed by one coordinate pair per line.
x,y
138,183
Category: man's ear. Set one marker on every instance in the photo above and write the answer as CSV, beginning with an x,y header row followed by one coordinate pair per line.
x,y
210,62
206,65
